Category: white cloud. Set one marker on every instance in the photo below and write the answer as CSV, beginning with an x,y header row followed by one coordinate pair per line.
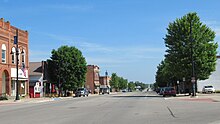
x,y
97,53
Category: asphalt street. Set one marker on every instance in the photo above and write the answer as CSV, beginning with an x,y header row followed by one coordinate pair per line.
x,y
121,108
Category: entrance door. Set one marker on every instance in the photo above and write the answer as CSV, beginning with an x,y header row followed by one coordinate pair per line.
x,y
3,84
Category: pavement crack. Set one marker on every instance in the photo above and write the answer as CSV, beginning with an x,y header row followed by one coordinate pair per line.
x,y
171,112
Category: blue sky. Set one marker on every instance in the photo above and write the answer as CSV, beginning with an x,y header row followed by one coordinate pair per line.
x,y
121,36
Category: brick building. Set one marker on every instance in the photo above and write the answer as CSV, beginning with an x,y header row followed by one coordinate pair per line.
x,y
92,79
104,84
8,60
39,85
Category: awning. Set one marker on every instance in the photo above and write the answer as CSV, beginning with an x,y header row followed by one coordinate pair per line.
x,y
20,79
96,83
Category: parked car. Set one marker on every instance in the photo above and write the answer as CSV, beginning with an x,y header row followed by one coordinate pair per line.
x,y
208,89
104,91
161,90
124,90
81,92
169,91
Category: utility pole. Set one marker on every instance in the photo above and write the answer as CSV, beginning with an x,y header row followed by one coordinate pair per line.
x,y
193,80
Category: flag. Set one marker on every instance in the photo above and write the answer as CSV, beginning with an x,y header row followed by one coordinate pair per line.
x,y
23,69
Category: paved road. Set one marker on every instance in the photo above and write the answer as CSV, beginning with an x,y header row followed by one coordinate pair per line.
x,y
123,108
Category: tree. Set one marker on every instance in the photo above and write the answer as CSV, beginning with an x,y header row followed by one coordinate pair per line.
x,y
122,83
114,82
165,77
190,42
67,67
131,86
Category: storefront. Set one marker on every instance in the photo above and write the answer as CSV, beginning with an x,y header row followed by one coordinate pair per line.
x,y
22,80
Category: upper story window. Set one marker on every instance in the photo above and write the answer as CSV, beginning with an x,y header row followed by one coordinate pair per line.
x,y
3,53
23,56
96,76
13,55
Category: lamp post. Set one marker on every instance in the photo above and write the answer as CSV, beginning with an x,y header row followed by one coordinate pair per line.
x,y
17,60
193,63
178,86
17,53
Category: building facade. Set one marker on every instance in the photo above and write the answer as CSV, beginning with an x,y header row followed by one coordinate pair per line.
x,y
92,79
39,84
8,70
104,84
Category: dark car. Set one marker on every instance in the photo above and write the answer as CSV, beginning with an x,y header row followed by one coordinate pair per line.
x,y
81,92
169,91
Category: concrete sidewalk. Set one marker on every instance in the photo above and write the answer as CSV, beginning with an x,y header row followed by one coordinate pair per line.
x,y
215,97
39,100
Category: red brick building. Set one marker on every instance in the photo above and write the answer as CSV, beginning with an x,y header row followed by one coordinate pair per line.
x,y
104,84
92,79
8,60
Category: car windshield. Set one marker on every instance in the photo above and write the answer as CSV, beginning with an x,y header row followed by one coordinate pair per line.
x,y
79,89
208,86
169,88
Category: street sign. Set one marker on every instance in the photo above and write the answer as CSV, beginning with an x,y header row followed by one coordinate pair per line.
x,y
193,80
184,79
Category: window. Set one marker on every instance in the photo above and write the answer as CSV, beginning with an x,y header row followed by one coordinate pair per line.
x,y
23,57
3,53
13,55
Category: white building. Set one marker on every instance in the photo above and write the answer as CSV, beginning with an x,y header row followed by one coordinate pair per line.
x,y
214,78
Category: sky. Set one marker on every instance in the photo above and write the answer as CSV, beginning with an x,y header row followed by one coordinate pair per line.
x,y
120,36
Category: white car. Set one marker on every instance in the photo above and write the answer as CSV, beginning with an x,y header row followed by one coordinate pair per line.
x,y
208,89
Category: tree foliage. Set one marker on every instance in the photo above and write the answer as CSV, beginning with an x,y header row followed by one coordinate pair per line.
x,y
131,85
118,82
114,82
188,39
67,67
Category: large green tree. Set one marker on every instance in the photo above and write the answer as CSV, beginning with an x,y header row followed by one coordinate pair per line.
x,y
67,67
190,42
114,82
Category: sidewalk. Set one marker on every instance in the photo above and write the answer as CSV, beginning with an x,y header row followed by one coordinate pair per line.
x,y
214,97
26,100
38,100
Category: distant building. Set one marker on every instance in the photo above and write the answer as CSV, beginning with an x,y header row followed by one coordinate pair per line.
x,y
8,61
92,79
214,78
39,85
104,84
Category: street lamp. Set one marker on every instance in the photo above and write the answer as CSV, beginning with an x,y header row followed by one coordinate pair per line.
x,y
193,63
17,60
178,86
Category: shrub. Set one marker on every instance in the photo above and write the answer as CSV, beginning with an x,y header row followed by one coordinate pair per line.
x,y
3,98
217,91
